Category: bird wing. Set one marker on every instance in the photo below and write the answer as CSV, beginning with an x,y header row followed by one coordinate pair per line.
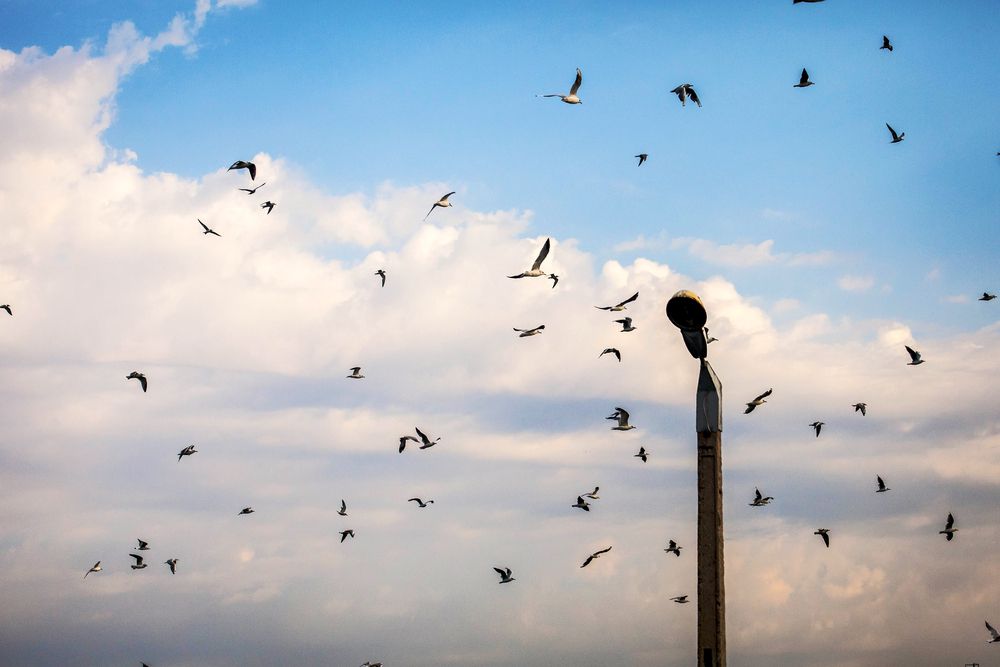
x,y
759,496
863,409
502,573
894,137
445,198
423,438
628,300
142,544
881,484
693,95
826,539
138,558
950,523
914,355
203,225
576,84
623,416
993,631
587,562
617,354
417,499
602,551
252,168
764,395
382,274
343,506
804,78
541,255
142,381
430,211
356,369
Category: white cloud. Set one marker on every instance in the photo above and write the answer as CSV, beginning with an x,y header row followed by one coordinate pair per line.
x,y
742,256
784,305
641,243
855,283
961,298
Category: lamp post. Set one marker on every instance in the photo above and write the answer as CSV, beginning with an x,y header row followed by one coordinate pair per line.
x,y
687,313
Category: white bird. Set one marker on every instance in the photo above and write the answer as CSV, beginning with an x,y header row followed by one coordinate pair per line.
x,y
596,554
536,267
825,534
861,407
356,373
136,375
138,562
914,356
622,416
582,504
443,203
760,500
343,508
685,91
345,533
882,488
673,548
143,546
187,451
803,80
757,401
420,502
626,325
949,528
642,454
681,600
426,442
817,426
571,98
619,306
505,577
593,494
402,442
246,510
97,568
530,332
173,565
993,631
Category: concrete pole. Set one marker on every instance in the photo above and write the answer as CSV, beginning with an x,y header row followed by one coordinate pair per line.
x,y
711,569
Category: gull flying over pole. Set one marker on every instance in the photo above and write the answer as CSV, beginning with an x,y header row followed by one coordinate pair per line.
x,y
582,504
861,407
825,534
949,528
895,138
757,401
985,297
993,631
619,306
571,98
356,373
253,191
596,554
683,599
642,158
622,416
343,508
143,546
207,230
443,203
173,565
97,568
915,359
420,502
402,442
626,325
136,375
246,510
817,426
803,80
611,350
882,488
530,332
249,166
536,268
885,44
187,451
138,562
685,91
674,549
425,442
345,533
381,272
269,205
505,577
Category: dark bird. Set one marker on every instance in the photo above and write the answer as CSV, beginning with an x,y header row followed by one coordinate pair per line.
x,y
885,44
249,166
443,203
760,500
985,297
136,375
619,306
596,554
611,350
757,401
381,272
895,138
402,442
642,454
207,230
825,534
530,332
915,359
571,98
187,451
683,599
882,488
269,205
143,546
817,426
138,562
250,192
554,278
993,631
861,407
173,565
642,158
420,502
684,92
536,267
6,307
246,510
626,325
803,80
97,568
343,508
674,549
582,504
505,577
949,528
344,534
425,442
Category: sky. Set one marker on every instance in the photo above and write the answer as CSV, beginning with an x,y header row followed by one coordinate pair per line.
x,y
818,248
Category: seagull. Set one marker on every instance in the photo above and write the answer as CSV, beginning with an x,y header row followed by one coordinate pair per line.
x,y
895,138
344,534
949,531
381,272
593,494
993,631
138,562
622,416
207,230
760,500
530,332
425,441
685,91
684,599
420,502
985,297
571,98
620,306
250,192
269,205
6,307
136,375
882,488
709,339
885,44
861,407
173,565
554,278
803,80
371,664
596,554
611,350
343,508
187,451
626,325
505,577
143,546
642,158
673,548
536,268
757,401
915,359
817,426
402,442
249,166
443,203
246,510
356,373
642,454
825,534
97,568
582,504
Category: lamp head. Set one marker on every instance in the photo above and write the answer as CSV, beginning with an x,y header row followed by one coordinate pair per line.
x,y
687,313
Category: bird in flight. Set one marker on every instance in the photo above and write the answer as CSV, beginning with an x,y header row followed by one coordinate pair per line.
x,y
554,278
622,416
825,534
136,375
626,325
611,350
674,549
207,230
885,44
642,158
803,80
582,504
420,502
143,546
685,91
402,442
596,554
371,664
817,426
344,534
593,494
760,500
269,205
619,306
246,510
356,373
915,359
381,272
97,568
6,307
683,599
250,192
443,203
187,451
895,138
249,166
536,268
343,508
642,454
985,297
571,98
993,631
173,565
505,577
882,488
949,528
709,339
138,562
757,401
425,442
530,332
861,407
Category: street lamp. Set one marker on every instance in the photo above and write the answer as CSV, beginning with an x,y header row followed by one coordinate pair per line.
x,y
687,313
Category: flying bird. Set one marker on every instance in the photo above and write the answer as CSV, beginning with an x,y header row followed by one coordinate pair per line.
x,y
593,494
985,297
173,565
803,80
536,268
6,307
207,230
554,278
684,92
343,508
861,407
626,325
684,599
622,416
817,426
915,359
249,166
582,504
619,306
757,401
187,451
420,502
642,158
882,488
97,568
402,442
356,373
371,664
344,534
143,546
674,549
505,577
885,44
949,529
136,375
596,554
249,191
611,350
571,98
425,442
443,203
825,534
381,272
709,339
269,205
993,631
895,138
530,332
138,562
642,454
246,510
760,500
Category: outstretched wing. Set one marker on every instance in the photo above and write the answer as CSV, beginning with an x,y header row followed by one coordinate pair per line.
x,y
950,523
628,300
624,414
142,381
204,226
587,562
764,395
541,255
576,84
252,168
993,631
693,95
914,355
423,438
445,198
602,551
804,77
894,138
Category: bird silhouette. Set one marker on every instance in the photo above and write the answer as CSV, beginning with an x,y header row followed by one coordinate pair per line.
x,y
249,166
